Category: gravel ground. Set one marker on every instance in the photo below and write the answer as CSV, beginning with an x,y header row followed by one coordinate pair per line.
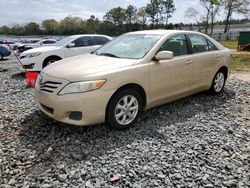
x,y
199,141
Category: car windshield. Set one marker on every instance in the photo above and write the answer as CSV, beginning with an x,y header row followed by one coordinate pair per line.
x,y
129,46
63,41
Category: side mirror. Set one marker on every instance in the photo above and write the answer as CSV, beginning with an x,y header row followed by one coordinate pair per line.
x,y
164,55
70,45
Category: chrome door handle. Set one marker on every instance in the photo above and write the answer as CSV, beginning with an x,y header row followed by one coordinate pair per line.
x,y
188,62
217,56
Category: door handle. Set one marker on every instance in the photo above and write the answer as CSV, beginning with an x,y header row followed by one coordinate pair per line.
x,y
188,62
217,56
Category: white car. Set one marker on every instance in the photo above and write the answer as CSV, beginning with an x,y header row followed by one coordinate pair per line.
x,y
38,58
43,42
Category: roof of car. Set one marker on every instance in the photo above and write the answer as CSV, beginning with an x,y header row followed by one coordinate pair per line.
x,y
86,35
161,32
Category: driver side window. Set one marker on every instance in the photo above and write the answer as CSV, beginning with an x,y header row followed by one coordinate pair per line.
x,y
176,44
83,41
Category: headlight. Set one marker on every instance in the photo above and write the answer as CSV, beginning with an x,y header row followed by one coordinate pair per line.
x,y
79,87
30,55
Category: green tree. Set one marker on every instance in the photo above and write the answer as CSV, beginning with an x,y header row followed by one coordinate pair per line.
x,y
71,25
131,14
32,28
93,24
50,26
234,6
5,30
116,15
152,10
168,8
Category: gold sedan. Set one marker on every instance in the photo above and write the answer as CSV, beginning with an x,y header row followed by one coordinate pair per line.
x,y
134,72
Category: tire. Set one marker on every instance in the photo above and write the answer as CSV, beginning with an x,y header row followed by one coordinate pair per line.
x,y
118,111
50,60
218,83
1,56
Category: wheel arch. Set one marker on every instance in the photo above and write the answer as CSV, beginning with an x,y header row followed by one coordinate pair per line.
x,y
223,69
50,57
135,86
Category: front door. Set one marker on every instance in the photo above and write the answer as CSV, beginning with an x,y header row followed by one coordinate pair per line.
x,y
81,46
170,78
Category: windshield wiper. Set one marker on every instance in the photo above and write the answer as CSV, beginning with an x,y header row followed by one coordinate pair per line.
x,y
109,54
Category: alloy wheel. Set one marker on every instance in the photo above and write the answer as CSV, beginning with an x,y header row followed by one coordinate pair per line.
x,y
126,110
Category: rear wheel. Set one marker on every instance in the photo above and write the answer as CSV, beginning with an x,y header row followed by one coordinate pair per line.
x,y
50,60
218,83
124,109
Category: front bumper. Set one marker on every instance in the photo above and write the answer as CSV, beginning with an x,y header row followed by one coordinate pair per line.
x,y
32,64
92,105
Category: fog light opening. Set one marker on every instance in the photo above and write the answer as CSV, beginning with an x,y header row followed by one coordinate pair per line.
x,y
77,116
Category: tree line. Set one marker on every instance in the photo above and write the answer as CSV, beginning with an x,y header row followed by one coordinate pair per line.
x,y
154,15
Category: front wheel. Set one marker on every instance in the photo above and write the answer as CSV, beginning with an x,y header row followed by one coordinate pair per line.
x,y
124,109
50,60
218,83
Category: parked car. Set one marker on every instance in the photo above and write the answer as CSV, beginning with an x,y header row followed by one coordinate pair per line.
x,y
38,58
12,44
132,73
45,42
4,51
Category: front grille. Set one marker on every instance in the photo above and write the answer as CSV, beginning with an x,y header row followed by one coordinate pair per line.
x,y
49,86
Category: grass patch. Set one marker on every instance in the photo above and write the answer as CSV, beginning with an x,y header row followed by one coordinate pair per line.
x,y
241,61
231,44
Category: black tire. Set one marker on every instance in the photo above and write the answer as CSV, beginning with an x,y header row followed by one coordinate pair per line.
x,y
111,109
50,60
1,56
215,88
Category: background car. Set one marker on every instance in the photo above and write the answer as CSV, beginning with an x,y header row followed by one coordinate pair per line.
x,y
38,58
4,51
35,44
132,73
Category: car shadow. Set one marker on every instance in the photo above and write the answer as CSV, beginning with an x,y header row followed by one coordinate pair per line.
x,y
55,143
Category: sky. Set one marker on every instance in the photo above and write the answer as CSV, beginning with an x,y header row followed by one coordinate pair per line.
x,y
24,11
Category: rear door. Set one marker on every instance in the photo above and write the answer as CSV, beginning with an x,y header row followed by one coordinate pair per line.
x,y
82,45
204,59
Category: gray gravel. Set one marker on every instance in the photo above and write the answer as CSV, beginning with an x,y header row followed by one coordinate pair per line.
x,y
199,141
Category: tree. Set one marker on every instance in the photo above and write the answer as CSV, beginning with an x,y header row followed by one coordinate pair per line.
x,y
32,28
152,9
50,26
131,14
116,15
234,6
142,15
71,25
212,9
92,24
193,13
168,9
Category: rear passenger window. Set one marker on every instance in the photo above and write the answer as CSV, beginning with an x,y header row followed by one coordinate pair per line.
x,y
199,43
100,40
176,44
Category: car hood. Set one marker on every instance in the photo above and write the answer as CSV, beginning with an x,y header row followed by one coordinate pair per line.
x,y
86,67
41,49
